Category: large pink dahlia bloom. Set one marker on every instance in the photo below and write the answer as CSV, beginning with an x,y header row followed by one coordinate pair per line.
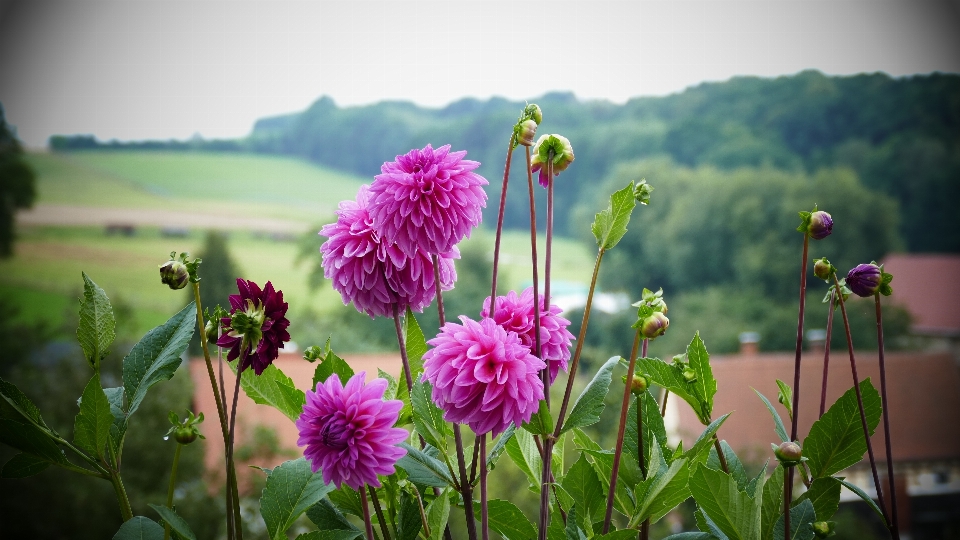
x,y
348,431
483,376
259,318
515,314
373,274
427,199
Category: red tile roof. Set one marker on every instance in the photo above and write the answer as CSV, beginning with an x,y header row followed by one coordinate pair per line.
x,y
929,287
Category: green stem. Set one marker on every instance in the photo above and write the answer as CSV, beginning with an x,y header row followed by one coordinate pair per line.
x,y
173,483
376,506
484,520
231,466
125,511
618,449
367,524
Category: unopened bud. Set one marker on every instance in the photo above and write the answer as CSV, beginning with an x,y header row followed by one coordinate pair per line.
x,y
210,329
823,529
689,375
533,112
789,453
655,325
527,132
174,274
639,385
821,225
823,269
868,279
185,435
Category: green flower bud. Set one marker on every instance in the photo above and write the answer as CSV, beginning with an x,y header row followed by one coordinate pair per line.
x,y
823,529
185,435
184,432
174,274
655,325
789,453
533,112
639,385
210,329
527,132
823,269
689,375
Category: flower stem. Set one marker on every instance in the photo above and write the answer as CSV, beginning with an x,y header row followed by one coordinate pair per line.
x,y
618,449
376,506
549,253
641,458
788,493
484,527
232,484
368,525
536,279
436,285
895,522
856,387
663,406
826,354
503,206
125,511
173,483
403,347
720,455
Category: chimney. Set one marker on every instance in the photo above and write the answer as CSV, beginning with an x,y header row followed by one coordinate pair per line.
x,y
748,343
816,340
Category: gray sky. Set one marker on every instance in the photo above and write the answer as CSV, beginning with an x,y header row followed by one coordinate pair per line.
x,y
151,69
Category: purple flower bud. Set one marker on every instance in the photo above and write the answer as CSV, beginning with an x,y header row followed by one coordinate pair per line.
x,y
655,325
174,274
527,132
865,279
821,225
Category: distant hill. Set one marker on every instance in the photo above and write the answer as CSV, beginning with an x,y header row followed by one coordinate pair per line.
x,y
900,135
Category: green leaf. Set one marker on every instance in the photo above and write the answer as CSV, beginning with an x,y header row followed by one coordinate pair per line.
x,y
329,535
119,427
691,536
156,357
522,449
494,455
330,365
573,530
625,534
733,464
699,452
273,388
326,516
175,521
506,520
347,500
611,224
785,396
427,417
836,440
438,511
415,343
670,377
801,517
291,489
139,528
92,425
734,512
866,498
652,427
23,465
627,478
662,492
824,493
584,487
409,523
777,422
772,501
541,422
705,386
424,469
97,328
22,427
391,392
586,410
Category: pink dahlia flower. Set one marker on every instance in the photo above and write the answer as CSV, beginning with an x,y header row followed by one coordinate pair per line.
x,y
258,321
483,376
348,431
515,314
373,275
427,199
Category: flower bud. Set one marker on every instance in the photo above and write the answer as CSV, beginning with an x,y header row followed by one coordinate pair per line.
x,y
865,279
210,329
527,132
186,435
821,225
639,385
174,274
823,269
689,375
552,146
789,453
655,325
184,432
533,112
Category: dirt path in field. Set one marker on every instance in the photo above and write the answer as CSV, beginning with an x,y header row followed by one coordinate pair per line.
x,y
66,215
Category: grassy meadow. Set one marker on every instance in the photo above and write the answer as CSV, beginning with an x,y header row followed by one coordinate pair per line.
x,y
43,279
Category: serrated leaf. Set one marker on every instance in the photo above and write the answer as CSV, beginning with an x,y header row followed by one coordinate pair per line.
x,y
699,451
625,534
92,425
290,490
866,498
438,512
156,356
329,535
836,440
507,520
427,417
22,427
97,328
494,455
670,377
23,465
139,528
734,465
824,493
332,365
177,524
541,422
584,487
662,492
391,392
652,428
801,517
328,517
424,469
409,523
705,386
347,500
772,501
573,531
522,449
734,512
586,410
119,427
691,536
610,225
416,344
777,422
627,477
272,387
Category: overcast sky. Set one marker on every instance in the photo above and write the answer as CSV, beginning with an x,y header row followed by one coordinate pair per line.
x,y
152,69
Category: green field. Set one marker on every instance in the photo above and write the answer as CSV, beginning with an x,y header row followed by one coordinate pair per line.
x,y
43,279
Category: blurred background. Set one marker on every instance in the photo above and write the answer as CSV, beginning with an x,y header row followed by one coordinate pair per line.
x,y
232,130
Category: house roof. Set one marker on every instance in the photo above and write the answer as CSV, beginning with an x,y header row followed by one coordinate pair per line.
x,y
928,287
923,391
